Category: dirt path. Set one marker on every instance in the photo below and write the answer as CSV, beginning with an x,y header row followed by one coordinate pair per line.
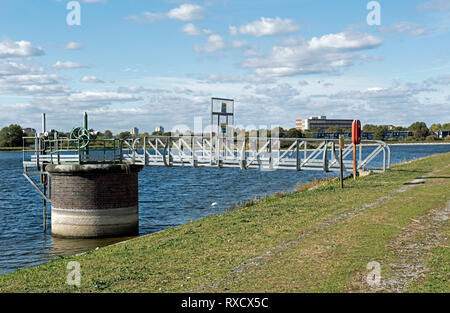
x,y
252,264
421,235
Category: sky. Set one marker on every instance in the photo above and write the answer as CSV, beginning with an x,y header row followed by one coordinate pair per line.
x,y
140,63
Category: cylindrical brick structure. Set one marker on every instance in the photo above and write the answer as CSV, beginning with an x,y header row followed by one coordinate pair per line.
x,y
94,200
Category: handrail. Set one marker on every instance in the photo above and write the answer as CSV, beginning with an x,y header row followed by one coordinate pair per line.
x,y
196,150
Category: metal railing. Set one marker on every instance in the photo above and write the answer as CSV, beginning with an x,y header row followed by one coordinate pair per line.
x,y
198,151
252,152
69,151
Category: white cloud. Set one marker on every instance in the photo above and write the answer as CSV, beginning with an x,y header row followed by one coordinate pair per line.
x,y
139,89
344,41
398,104
33,79
95,80
440,80
100,97
405,28
239,44
434,5
233,79
280,92
18,49
372,102
192,30
73,46
303,83
213,43
217,43
326,54
60,65
22,79
14,68
32,85
187,12
144,17
266,26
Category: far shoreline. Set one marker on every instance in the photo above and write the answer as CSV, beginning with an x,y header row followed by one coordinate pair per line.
x,y
18,149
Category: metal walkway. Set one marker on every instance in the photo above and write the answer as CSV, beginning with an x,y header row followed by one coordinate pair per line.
x,y
200,151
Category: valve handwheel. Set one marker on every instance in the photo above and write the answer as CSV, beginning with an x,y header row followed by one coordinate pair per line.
x,y
82,135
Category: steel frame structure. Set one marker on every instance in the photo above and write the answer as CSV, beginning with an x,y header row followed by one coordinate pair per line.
x,y
199,151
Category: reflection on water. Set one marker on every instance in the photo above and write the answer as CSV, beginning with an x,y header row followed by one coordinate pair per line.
x,y
167,197
64,247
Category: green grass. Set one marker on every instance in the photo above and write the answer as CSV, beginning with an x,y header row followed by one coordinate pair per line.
x,y
438,260
12,149
211,254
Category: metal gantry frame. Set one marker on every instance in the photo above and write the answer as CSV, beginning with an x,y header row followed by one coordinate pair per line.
x,y
200,151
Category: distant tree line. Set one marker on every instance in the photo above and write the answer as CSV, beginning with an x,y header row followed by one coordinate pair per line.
x,y
11,136
419,130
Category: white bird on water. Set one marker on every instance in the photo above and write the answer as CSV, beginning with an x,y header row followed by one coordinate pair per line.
x,y
213,204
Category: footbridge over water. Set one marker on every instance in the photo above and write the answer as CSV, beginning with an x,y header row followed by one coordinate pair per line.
x,y
93,183
216,151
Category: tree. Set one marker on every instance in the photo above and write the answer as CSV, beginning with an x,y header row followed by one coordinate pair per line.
x,y
435,127
379,133
11,136
420,133
293,133
418,126
108,134
446,126
419,129
308,134
123,135
316,130
369,128
336,129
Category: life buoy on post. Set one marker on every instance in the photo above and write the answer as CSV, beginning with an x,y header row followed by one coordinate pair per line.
x,y
356,132
356,140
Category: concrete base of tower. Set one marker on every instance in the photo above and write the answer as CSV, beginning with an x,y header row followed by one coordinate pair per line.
x,y
94,201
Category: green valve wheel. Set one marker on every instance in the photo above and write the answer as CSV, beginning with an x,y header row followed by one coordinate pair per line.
x,y
82,135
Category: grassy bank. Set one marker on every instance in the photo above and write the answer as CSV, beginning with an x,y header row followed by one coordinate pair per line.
x,y
11,149
319,240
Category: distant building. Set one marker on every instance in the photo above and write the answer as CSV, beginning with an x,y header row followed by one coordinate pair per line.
x,y
29,130
398,134
364,135
442,133
134,131
321,122
159,129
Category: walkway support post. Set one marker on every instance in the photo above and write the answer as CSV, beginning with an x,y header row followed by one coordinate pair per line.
x,y
356,140
354,161
341,165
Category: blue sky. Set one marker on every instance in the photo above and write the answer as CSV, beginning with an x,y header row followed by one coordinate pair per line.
x,y
149,63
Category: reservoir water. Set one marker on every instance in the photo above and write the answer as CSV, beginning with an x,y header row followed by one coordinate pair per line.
x,y
167,197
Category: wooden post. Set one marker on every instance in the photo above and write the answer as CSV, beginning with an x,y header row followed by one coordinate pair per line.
x,y
341,162
354,161
45,211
